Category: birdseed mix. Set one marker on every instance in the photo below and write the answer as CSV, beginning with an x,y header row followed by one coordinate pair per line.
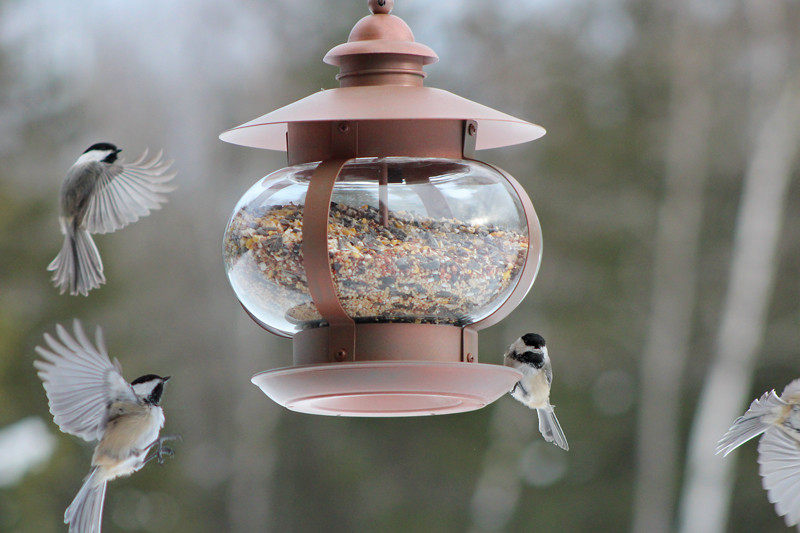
x,y
416,269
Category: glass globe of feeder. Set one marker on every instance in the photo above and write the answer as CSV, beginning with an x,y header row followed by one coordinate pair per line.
x,y
385,246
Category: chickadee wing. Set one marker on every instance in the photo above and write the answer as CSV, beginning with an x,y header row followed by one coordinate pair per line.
x,y
750,424
548,372
779,460
126,192
80,382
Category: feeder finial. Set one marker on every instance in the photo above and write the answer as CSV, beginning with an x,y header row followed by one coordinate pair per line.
x,y
380,7
381,51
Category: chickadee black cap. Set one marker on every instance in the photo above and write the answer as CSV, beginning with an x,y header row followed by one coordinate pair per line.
x,y
534,340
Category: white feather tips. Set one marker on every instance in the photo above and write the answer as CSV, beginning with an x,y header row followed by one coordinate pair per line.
x,y
779,466
127,191
79,380
751,424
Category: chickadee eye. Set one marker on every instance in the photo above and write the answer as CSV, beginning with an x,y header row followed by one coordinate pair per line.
x,y
533,358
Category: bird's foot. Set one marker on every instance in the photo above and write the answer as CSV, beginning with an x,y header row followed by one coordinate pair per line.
x,y
162,450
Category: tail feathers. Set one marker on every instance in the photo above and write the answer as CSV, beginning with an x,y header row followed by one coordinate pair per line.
x,y
78,266
750,424
551,429
85,513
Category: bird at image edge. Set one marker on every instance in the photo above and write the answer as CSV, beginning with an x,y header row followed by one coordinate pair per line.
x,y
778,418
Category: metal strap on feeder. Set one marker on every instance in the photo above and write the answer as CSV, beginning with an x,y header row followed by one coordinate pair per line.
x,y
342,333
432,198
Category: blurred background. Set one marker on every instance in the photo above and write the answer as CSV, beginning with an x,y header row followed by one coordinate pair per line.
x,y
668,289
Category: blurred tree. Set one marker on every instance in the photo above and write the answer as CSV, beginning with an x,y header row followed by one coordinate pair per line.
x,y
640,115
679,222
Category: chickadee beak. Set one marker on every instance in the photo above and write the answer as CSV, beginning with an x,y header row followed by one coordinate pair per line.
x,y
166,378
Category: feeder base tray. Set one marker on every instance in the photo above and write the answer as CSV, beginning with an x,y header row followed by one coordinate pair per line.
x,y
387,389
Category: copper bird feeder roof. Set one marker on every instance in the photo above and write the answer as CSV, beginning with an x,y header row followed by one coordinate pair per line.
x,y
383,103
381,79
383,110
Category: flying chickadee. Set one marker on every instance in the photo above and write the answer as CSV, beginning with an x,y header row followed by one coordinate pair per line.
x,y
89,398
778,418
100,195
529,355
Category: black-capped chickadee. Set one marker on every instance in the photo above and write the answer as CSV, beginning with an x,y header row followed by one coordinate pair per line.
x,y
528,354
99,195
778,418
89,398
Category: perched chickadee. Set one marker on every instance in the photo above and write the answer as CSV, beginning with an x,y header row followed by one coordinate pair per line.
x,y
529,355
89,398
778,418
99,195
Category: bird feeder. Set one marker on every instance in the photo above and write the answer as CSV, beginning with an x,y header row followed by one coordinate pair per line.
x,y
384,246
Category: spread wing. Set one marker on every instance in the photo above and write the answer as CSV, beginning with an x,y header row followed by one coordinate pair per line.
x,y
750,424
125,192
80,381
779,466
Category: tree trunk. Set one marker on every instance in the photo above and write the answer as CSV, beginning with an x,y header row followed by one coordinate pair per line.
x,y
674,274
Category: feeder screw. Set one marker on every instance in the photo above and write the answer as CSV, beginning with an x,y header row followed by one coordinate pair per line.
x,y
340,355
472,130
470,358
344,127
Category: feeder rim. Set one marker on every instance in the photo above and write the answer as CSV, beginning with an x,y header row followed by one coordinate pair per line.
x,y
384,102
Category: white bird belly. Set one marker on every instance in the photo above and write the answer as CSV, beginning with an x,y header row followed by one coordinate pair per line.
x,y
533,391
124,445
